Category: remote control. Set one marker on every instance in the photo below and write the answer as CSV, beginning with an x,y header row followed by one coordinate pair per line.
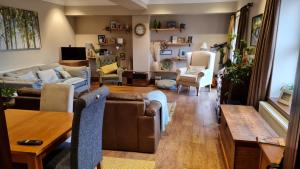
x,y
30,142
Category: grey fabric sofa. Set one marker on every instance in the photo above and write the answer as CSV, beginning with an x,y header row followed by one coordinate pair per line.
x,y
80,77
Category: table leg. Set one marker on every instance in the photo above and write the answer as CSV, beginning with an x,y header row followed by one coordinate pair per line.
x,y
35,163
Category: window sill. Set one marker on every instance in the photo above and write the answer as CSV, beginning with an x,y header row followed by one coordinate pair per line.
x,y
283,109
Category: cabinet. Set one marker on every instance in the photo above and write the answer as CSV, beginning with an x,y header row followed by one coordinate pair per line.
x,y
239,128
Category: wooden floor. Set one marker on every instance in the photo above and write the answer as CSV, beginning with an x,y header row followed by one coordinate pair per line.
x,y
191,138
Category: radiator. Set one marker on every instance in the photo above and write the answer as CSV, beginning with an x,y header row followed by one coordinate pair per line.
x,y
278,122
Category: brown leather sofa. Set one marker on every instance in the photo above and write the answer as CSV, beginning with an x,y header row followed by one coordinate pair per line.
x,y
131,123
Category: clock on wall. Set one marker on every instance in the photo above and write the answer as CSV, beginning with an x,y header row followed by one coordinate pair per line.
x,y
140,29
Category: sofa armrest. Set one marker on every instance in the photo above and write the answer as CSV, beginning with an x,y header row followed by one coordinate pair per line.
x,y
83,72
153,108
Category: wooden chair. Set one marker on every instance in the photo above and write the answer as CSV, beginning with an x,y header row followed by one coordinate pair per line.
x,y
57,97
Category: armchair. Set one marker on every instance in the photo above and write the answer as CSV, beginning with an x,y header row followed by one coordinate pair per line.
x,y
114,76
199,70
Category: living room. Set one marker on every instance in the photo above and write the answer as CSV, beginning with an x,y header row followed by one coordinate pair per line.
x,y
176,84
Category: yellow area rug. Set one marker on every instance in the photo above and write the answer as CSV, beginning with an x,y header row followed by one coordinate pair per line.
x,y
123,163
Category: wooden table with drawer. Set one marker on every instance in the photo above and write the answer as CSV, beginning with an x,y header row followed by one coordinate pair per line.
x,y
239,128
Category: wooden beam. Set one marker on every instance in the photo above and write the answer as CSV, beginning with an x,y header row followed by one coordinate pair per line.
x,y
131,4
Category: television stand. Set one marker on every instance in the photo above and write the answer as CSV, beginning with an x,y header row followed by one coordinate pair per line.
x,y
74,62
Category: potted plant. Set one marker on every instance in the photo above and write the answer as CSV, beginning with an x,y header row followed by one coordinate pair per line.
x,y
237,76
6,93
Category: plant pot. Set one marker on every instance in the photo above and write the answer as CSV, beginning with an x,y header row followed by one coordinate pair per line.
x,y
5,99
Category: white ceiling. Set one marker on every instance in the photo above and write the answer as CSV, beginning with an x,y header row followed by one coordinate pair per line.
x,y
82,2
108,2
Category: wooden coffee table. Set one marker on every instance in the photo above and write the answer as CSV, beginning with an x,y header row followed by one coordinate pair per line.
x,y
52,128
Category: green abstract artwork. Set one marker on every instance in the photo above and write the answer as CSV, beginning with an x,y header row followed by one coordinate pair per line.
x,y
19,29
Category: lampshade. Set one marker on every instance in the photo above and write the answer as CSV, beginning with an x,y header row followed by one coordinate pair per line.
x,y
204,46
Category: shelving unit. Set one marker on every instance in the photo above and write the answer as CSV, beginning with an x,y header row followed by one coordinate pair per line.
x,y
107,44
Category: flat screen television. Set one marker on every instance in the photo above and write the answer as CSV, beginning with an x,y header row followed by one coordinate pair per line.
x,y
73,53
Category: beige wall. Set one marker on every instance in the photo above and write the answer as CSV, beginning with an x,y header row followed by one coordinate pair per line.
x,y
141,45
87,29
257,8
56,31
211,29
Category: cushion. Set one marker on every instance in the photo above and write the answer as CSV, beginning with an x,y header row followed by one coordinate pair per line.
x,y
166,84
65,74
188,78
194,70
76,81
76,71
28,76
48,76
109,68
57,70
49,66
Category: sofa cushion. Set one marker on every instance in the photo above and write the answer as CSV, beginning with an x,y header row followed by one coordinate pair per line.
x,y
65,74
126,96
188,78
76,81
48,76
57,70
194,70
28,76
76,71
109,68
49,66
21,71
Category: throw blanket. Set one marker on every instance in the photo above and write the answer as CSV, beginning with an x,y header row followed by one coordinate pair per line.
x,y
73,80
162,98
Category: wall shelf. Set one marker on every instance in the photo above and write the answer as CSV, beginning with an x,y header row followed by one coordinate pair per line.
x,y
167,29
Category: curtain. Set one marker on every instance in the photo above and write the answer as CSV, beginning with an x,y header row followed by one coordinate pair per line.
x,y
230,32
243,26
265,49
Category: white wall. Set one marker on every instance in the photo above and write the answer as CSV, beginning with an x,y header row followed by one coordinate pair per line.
x,y
287,47
141,45
211,29
56,31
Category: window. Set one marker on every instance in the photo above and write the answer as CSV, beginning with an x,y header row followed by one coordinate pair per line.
x,y
287,50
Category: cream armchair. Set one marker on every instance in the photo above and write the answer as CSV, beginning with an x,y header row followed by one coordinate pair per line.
x,y
199,70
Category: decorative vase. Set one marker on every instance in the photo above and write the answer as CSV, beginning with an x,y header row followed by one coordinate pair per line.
x,y
155,66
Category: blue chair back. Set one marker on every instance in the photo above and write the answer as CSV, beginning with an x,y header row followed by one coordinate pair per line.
x,y
86,144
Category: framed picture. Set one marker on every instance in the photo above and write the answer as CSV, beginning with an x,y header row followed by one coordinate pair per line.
x,y
101,39
19,29
190,39
181,40
173,39
255,29
286,97
166,52
171,24
113,24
